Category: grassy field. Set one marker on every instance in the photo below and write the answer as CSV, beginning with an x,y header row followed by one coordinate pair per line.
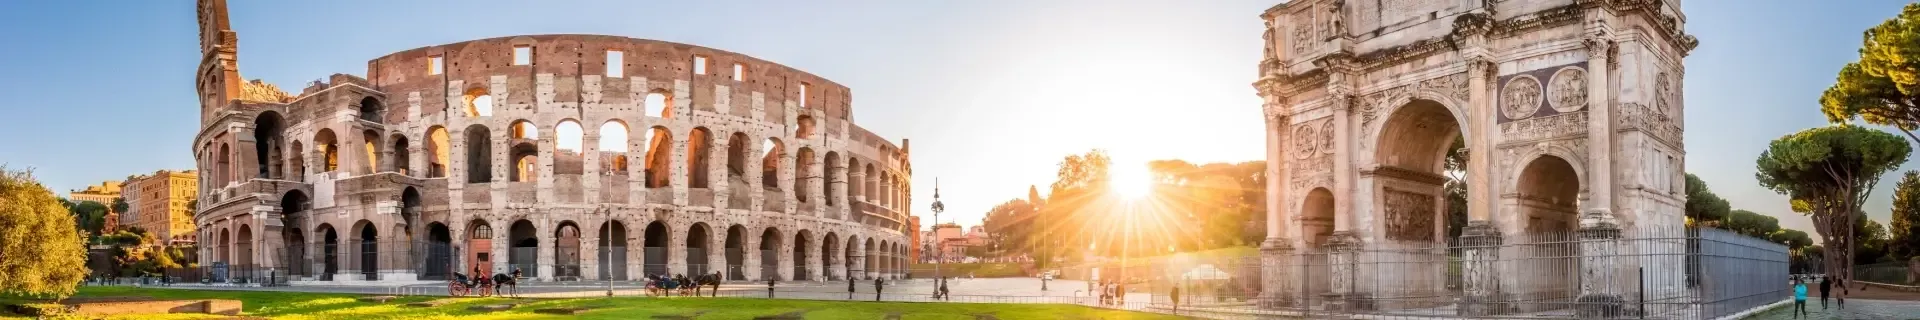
x,y
293,305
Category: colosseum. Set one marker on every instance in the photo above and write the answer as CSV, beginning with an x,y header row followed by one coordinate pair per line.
x,y
570,157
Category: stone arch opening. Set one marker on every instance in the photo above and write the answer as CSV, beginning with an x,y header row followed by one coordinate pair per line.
x,y
525,158
803,175
872,184
828,247
770,244
368,238
1316,217
439,153
736,254
297,260
524,254
297,161
523,130
1411,158
654,252
867,257
803,127
568,156
880,254
243,246
409,210
699,145
224,165
370,110
850,257
401,159
1548,210
479,154
480,247
771,152
329,252
268,132
831,169
737,158
697,238
566,251
659,104
659,154
613,250
439,259
613,147
370,143
478,103
801,270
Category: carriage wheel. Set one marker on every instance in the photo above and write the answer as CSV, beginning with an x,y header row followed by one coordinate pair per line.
x,y
455,289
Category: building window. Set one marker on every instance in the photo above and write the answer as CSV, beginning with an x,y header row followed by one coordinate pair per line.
x,y
522,55
739,72
615,69
699,64
434,64
803,94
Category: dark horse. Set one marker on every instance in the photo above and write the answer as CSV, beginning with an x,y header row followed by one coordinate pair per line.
x,y
712,279
511,282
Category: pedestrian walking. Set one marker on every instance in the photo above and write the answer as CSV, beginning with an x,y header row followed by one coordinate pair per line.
x,y
1799,298
1175,296
878,285
850,283
1825,285
943,291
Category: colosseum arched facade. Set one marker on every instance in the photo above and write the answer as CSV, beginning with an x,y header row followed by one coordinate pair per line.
x,y
571,157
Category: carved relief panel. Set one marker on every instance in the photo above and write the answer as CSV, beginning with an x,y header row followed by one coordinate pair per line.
x,y
1658,119
1311,150
1409,215
1543,104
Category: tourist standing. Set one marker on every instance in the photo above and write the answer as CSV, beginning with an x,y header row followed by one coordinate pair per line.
x,y
850,283
878,285
1175,296
770,282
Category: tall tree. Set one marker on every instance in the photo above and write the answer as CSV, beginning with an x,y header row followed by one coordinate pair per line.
x,y
1010,225
90,216
1703,206
1830,171
1080,180
1456,187
1904,227
1883,87
41,251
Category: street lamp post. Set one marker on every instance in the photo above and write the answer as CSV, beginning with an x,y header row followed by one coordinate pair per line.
x,y
606,252
939,250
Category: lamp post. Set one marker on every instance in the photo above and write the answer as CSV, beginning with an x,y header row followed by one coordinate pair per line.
x,y
940,251
606,252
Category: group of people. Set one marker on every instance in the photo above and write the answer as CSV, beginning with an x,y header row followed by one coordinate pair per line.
x,y
1113,293
680,284
1826,287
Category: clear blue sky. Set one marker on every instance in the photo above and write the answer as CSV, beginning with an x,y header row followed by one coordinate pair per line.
x,y
993,92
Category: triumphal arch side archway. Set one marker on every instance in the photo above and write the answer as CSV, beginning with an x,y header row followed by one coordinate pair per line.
x,y
1570,117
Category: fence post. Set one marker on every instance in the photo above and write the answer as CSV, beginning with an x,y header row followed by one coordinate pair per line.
x,y
1480,243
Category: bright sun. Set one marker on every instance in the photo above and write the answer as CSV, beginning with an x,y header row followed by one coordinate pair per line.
x,y
1131,182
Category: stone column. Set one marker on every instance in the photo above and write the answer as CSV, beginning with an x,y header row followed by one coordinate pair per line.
x,y
1345,244
1599,232
544,256
750,257
838,178
857,256
1277,287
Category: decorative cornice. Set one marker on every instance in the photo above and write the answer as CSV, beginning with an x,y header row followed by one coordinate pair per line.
x,y
1472,24
1404,174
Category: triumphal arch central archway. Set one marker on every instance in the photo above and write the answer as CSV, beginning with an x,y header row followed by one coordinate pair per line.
x,y
1569,115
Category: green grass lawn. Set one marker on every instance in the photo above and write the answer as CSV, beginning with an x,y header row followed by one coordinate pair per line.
x,y
295,305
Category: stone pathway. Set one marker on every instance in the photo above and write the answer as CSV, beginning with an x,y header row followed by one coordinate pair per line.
x,y
1855,309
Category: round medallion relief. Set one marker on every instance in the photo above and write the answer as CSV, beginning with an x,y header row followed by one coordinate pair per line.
x,y
1305,141
1521,97
1326,137
1567,91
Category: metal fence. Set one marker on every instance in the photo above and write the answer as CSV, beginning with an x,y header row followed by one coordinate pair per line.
x,y
1664,274
1885,272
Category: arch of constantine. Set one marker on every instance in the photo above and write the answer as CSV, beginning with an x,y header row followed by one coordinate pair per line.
x,y
1571,117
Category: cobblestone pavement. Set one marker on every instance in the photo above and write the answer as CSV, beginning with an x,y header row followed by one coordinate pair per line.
x,y
1855,309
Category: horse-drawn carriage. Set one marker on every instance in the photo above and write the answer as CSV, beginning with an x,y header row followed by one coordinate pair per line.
x,y
461,285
